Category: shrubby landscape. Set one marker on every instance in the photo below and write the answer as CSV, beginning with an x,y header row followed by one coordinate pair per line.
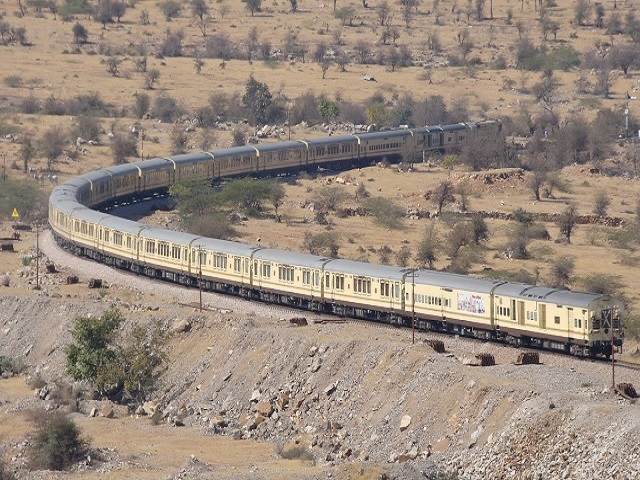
x,y
553,200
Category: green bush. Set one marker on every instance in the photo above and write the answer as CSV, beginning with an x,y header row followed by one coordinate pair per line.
x,y
13,81
57,442
385,212
11,364
563,58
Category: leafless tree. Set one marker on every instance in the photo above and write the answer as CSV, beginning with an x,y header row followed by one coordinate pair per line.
x,y
568,220
443,195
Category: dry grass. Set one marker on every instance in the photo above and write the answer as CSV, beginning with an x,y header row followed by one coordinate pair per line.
x,y
44,69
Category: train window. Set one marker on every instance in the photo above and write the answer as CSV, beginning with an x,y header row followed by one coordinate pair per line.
x,y
163,249
128,242
266,270
175,252
397,291
219,261
327,283
117,238
150,246
306,277
106,235
203,258
83,228
556,320
285,273
362,285
237,264
384,289
339,282
317,279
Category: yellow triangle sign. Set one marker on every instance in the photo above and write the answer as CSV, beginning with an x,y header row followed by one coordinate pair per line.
x,y
15,213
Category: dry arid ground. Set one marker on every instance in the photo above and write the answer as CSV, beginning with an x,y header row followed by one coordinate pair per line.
x,y
559,420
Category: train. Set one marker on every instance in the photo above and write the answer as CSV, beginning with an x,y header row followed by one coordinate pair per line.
x,y
578,323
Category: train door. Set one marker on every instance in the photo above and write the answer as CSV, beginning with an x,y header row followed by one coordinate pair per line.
x,y
441,140
397,296
520,312
570,320
542,316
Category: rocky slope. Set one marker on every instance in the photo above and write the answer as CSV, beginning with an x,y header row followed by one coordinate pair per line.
x,y
346,394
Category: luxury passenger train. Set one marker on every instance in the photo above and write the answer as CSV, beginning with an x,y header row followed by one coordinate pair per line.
x,y
584,324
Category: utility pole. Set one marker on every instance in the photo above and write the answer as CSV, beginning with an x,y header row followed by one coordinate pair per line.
x,y
37,257
613,355
413,307
200,274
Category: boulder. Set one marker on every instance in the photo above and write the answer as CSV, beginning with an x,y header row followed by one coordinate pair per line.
x,y
218,421
329,389
107,411
405,421
264,408
283,400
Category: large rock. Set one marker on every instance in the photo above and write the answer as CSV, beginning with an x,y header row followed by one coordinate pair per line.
x,y
264,408
283,400
405,421
107,411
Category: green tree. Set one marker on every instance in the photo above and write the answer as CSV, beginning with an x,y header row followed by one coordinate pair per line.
x,y
80,34
92,349
328,109
116,366
170,8
385,212
377,114
257,100
247,193
253,5
26,196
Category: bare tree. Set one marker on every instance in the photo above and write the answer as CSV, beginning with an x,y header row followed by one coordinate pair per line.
x,y
428,247
403,255
538,176
443,195
561,271
383,10
151,78
52,144
568,220
582,11
601,203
